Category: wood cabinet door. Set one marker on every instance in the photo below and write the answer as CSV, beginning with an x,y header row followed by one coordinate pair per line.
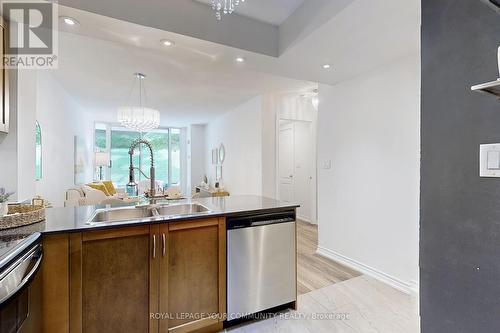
x,y
114,280
56,283
193,275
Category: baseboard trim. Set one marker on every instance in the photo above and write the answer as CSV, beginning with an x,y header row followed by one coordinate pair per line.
x,y
409,287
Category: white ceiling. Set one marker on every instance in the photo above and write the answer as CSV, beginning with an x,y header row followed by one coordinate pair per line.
x,y
189,83
353,36
198,79
270,11
361,37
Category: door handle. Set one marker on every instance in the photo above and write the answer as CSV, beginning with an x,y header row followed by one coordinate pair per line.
x,y
164,244
154,246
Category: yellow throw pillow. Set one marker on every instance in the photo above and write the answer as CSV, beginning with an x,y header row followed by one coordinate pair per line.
x,y
109,187
100,187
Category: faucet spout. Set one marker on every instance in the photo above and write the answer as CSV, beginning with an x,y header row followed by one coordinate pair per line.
x,y
152,169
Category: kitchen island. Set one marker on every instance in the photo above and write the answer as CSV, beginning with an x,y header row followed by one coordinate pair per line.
x,y
158,273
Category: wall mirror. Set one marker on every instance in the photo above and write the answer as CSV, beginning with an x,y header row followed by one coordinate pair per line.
x,y
222,153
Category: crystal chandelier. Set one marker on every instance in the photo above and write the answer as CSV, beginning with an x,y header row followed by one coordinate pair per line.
x,y
139,118
224,7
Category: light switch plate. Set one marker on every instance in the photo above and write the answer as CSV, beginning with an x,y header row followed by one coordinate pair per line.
x,y
327,164
493,160
489,160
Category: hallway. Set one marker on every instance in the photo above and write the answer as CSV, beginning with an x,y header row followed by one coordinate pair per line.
x,y
315,271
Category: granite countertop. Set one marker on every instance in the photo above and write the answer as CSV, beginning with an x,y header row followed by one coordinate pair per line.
x,y
74,219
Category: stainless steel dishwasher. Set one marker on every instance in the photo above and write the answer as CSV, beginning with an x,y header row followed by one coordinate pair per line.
x,y
261,263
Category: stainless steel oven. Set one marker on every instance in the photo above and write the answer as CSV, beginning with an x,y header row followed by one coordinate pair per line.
x,y
21,287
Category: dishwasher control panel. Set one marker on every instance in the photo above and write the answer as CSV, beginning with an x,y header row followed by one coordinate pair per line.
x,y
260,219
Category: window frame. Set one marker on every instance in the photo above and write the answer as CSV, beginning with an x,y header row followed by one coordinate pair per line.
x,y
109,127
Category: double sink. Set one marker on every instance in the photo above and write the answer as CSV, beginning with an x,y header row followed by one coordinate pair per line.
x,y
146,213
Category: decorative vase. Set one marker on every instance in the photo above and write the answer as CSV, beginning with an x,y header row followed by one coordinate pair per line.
x,y
4,209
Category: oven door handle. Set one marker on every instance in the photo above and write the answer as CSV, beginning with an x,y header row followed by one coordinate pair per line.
x,y
37,255
33,271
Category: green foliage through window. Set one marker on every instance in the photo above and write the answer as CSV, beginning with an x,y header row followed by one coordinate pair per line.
x,y
166,145
100,139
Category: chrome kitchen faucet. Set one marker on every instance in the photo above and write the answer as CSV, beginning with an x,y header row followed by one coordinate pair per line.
x,y
132,188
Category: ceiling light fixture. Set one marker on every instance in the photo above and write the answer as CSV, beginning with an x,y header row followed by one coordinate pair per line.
x,y
240,59
69,20
166,42
139,118
327,66
224,7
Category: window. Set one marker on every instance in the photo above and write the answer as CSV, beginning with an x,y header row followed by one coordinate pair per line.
x,y
166,147
100,138
175,152
38,151
159,140
121,140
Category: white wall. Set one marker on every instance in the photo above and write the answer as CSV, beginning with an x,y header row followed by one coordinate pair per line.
x,y
60,119
251,128
40,97
197,155
240,130
9,144
369,200
27,80
269,151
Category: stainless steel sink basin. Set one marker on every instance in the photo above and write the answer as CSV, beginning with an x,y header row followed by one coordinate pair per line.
x,y
181,209
121,214
143,213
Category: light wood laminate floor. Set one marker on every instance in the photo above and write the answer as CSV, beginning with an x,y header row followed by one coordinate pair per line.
x,y
314,271
358,305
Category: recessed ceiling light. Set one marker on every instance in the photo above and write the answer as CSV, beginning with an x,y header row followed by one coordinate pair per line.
x,y
240,59
327,66
69,20
166,42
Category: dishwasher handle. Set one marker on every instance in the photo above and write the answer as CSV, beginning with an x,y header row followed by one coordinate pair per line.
x,y
260,220
261,223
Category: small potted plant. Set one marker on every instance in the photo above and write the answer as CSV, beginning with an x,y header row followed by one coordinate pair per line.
x,y
4,196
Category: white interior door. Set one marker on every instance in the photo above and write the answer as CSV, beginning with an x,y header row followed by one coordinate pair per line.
x,y
303,164
286,161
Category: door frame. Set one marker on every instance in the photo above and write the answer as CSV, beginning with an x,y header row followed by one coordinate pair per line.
x,y
278,177
314,163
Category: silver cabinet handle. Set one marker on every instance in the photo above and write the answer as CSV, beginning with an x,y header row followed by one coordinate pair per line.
x,y
164,244
154,246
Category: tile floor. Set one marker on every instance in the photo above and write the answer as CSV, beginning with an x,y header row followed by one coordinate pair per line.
x,y
361,304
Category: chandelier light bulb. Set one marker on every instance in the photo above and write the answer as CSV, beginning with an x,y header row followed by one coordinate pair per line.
x,y
138,117
224,7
